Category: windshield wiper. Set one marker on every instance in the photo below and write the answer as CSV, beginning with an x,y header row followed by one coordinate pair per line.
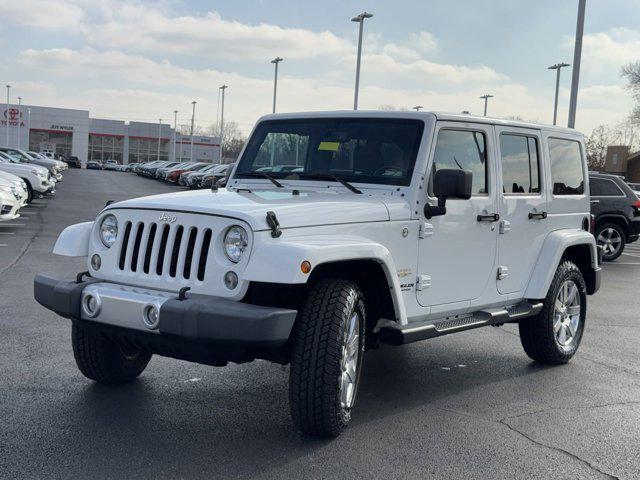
x,y
328,176
263,175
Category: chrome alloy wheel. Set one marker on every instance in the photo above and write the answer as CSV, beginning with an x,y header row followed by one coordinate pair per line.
x,y
610,240
566,314
350,364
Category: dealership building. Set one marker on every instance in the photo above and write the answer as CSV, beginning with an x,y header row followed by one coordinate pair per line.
x,y
73,132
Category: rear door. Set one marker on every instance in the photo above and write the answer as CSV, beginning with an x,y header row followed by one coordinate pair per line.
x,y
523,206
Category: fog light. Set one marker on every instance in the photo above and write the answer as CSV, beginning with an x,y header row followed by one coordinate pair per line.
x,y
96,261
91,305
230,280
151,317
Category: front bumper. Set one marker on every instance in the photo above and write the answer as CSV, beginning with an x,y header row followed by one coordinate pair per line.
x,y
196,321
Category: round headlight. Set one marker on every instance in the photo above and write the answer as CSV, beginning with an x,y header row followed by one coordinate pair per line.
x,y
108,230
235,243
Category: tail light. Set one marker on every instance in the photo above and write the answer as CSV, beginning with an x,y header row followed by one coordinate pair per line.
x,y
636,207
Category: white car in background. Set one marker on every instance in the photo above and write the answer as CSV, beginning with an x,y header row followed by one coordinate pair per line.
x,y
19,184
37,178
61,165
23,157
9,201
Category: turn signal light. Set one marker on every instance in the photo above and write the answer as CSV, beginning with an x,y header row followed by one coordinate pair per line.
x,y
305,266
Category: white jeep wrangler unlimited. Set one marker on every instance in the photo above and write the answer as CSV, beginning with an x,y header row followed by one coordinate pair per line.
x,y
336,232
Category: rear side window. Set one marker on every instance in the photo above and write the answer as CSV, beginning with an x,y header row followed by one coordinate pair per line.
x,y
567,174
603,187
464,150
520,164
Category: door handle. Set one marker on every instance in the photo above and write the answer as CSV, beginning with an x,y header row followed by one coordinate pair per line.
x,y
492,217
537,215
595,201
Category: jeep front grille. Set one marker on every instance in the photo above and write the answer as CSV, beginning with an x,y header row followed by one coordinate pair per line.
x,y
161,249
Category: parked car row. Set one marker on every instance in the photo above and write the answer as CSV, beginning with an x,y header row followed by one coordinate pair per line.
x,y
25,175
192,175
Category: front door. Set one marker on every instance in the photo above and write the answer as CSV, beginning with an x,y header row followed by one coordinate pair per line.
x,y
523,222
457,253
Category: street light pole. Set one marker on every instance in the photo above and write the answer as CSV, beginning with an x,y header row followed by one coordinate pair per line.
x,y
222,88
417,108
175,127
577,55
275,61
359,19
557,67
28,125
20,121
486,98
159,135
6,116
193,117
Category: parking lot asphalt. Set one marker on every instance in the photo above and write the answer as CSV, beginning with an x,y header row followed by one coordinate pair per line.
x,y
468,406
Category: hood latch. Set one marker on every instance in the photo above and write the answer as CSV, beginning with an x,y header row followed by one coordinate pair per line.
x,y
274,224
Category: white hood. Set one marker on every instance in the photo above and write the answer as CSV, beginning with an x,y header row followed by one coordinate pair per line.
x,y
308,208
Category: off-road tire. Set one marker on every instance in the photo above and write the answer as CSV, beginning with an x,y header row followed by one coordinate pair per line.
x,y
104,361
621,233
314,380
536,333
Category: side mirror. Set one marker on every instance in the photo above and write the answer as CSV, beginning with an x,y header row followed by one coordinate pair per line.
x,y
449,183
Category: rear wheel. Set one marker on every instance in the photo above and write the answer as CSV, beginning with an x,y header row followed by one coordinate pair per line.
x,y
553,336
105,361
328,348
612,239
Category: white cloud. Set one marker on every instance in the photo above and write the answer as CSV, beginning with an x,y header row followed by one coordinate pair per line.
x,y
426,72
47,14
424,41
144,29
612,49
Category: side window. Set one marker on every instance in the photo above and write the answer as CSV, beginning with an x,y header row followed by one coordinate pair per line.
x,y
464,150
566,167
603,187
520,164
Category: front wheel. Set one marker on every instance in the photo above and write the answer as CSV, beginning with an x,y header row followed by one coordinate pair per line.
x,y
29,191
553,336
105,361
328,348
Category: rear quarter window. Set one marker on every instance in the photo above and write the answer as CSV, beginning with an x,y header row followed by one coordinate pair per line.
x,y
567,173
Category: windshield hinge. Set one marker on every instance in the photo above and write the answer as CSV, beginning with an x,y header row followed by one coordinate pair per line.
x,y
426,230
274,224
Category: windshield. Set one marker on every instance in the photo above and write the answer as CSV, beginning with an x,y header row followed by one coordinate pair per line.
x,y
365,150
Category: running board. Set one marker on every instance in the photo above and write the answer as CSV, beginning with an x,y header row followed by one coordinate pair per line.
x,y
394,334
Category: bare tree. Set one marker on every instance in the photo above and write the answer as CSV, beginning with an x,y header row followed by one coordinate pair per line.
x,y
233,140
632,73
596,145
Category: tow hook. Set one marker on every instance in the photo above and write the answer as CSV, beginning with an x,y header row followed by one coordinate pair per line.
x,y
182,294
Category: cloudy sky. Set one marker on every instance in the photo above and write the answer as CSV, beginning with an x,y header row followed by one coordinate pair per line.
x,y
137,60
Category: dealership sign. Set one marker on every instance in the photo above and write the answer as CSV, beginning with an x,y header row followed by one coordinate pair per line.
x,y
12,117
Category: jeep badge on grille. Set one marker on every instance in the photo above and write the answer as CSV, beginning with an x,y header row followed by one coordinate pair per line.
x,y
165,217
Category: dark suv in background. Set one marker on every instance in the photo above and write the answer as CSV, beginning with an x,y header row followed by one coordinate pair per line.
x,y
616,209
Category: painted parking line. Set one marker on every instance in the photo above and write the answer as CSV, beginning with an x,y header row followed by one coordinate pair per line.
x,y
3,245
631,255
624,263
7,233
12,224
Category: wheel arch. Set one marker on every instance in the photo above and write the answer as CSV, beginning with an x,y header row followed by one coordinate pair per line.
x,y
576,245
368,263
